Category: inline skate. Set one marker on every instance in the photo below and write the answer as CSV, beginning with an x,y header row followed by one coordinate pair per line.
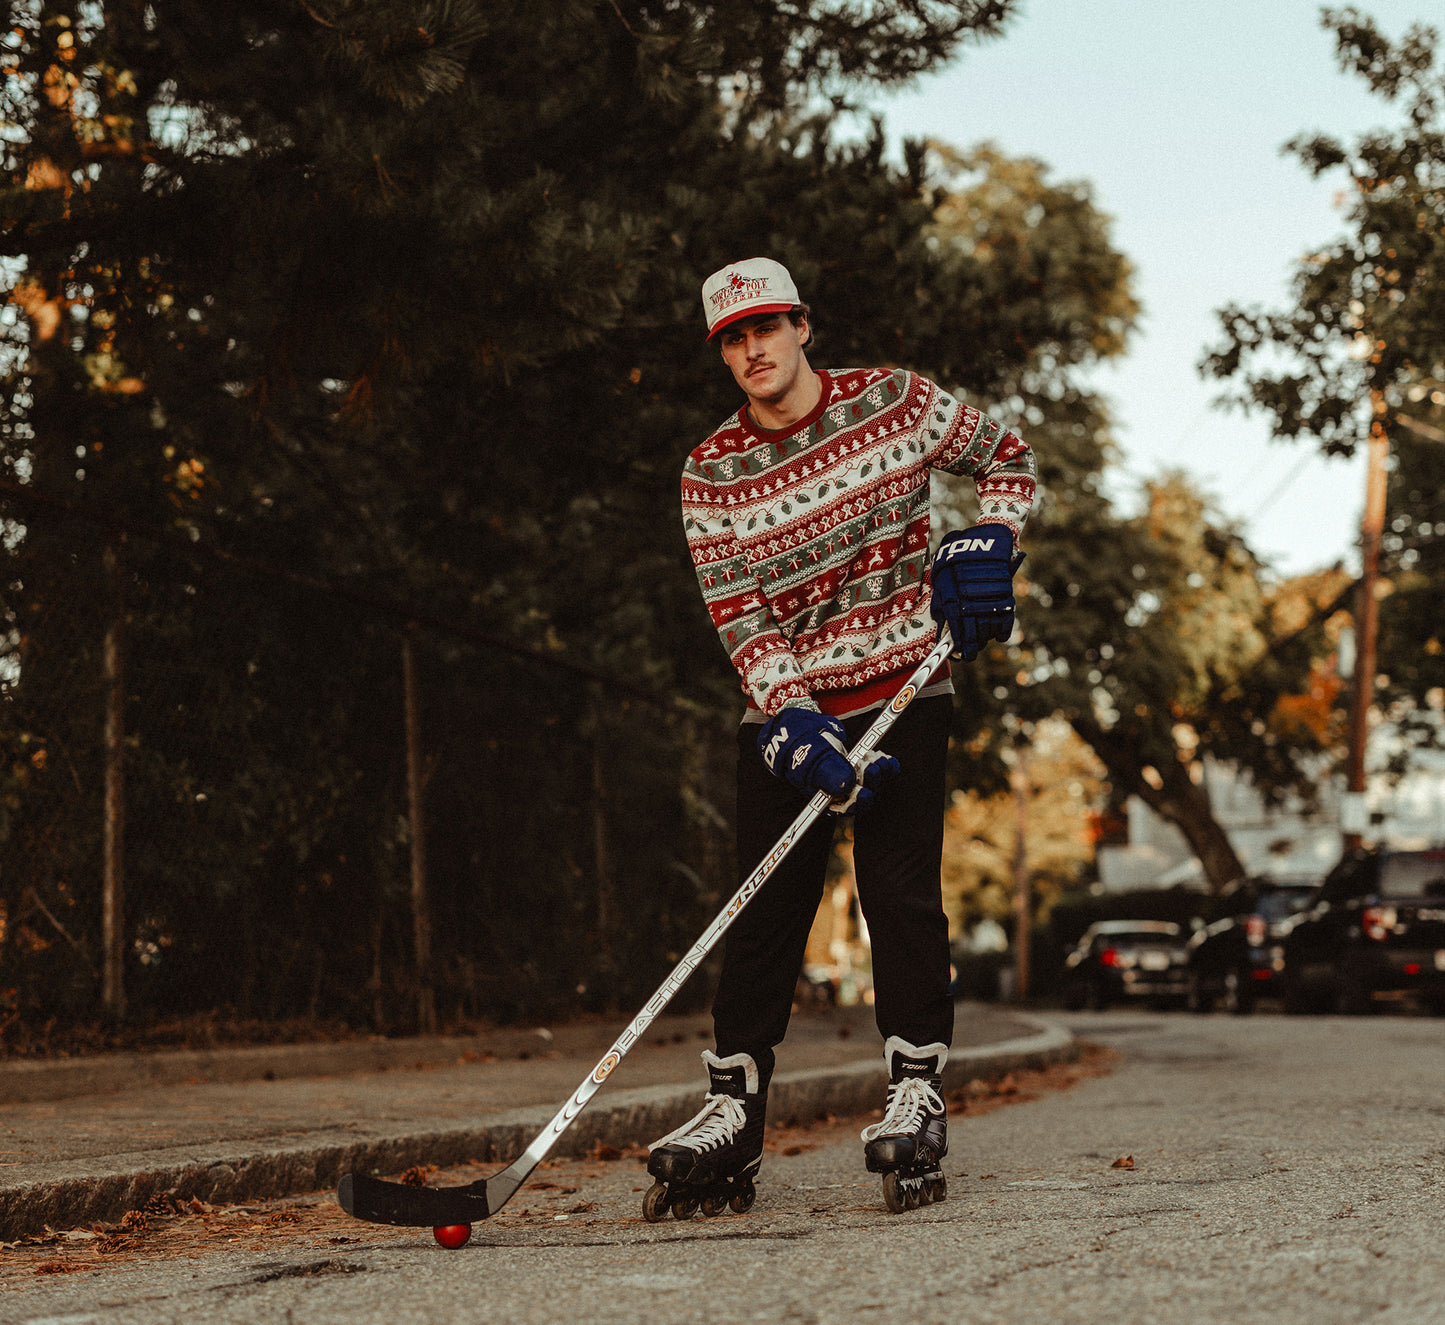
x,y
907,1146
710,1162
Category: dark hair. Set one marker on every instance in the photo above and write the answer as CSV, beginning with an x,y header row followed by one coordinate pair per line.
x,y
796,314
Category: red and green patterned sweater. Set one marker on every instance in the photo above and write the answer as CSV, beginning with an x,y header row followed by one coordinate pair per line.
x,y
811,545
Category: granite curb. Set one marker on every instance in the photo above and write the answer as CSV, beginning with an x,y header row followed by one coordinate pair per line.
x,y
84,1191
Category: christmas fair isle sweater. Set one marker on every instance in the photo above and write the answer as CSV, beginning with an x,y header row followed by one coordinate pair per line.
x,y
811,544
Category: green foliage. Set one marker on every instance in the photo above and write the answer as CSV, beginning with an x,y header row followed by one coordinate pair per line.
x,y
1154,634
402,297
399,297
1364,343
1368,320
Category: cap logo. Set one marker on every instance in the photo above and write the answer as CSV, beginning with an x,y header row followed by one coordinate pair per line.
x,y
738,288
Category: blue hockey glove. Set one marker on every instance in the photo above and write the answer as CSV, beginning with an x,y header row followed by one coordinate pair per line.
x,y
973,587
808,751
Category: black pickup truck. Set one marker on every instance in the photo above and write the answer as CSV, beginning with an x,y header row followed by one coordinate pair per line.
x,y
1376,925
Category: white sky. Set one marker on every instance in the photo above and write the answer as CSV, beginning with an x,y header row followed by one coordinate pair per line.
x,y
1176,111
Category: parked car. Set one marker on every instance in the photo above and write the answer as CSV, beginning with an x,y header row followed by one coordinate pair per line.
x,y
1376,925
1126,959
1239,955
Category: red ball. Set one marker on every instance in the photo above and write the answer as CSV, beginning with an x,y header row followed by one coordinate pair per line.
x,y
452,1236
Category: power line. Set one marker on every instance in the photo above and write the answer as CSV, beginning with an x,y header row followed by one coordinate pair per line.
x,y
1281,487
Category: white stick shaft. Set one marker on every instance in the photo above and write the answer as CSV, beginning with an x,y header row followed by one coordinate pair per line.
x,y
866,746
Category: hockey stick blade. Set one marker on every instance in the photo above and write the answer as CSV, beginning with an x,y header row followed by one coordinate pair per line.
x,y
380,1202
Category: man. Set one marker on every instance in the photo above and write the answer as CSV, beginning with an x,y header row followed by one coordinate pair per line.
x,y
807,517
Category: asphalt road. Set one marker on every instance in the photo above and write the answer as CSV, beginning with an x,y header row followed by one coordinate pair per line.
x,y
1283,1169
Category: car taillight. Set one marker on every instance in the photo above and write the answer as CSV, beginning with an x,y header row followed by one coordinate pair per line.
x,y
1254,931
1377,922
1109,957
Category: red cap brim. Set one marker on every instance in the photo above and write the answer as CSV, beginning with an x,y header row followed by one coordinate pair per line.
x,y
756,310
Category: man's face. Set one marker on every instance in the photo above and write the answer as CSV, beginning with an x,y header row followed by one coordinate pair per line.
x,y
765,354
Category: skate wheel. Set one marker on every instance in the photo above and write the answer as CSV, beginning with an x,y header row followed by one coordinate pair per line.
x,y
684,1207
937,1188
893,1194
714,1203
655,1203
913,1194
925,1193
743,1199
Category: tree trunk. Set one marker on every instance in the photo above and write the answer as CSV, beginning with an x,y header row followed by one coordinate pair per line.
x,y
1178,800
605,961
112,982
426,1015
1186,805
1023,893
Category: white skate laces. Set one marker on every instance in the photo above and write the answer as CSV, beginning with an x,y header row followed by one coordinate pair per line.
x,y
721,1119
910,1099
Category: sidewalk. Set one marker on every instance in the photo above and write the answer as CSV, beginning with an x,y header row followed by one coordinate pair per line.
x,y
245,1124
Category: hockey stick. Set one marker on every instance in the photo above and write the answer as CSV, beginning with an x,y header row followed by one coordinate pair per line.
x,y
380,1202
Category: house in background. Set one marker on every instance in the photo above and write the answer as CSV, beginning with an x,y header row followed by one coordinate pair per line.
x,y
1287,842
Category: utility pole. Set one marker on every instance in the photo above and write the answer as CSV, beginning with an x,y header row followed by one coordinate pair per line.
x,y
1353,820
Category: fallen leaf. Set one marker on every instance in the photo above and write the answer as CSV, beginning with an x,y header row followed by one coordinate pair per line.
x,y
1123,1162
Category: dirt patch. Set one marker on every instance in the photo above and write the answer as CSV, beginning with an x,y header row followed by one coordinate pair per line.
x,y
166,1231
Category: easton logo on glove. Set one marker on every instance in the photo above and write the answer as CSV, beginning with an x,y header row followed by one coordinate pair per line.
x,y
973,587
807,750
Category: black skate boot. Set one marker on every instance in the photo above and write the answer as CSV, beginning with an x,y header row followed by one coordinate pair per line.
x,y
711,1160
907,1146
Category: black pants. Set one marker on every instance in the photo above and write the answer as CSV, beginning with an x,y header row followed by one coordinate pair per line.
x,y
897,856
